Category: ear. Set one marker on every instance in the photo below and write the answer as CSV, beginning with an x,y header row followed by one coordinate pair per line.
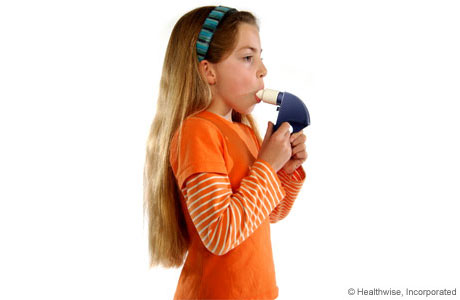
x,y
208,71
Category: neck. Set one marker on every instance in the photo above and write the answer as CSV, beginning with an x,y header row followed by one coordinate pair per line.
x,y
220,108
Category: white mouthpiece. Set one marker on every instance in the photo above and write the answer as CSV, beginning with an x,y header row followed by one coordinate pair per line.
x,y
268,95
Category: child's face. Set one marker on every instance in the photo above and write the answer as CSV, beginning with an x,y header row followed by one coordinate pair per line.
x,y
240,75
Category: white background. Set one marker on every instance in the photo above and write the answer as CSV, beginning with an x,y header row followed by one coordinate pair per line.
x,y
379,209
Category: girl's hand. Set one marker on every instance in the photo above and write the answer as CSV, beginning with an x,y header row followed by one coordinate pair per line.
x,y
299,153
276,148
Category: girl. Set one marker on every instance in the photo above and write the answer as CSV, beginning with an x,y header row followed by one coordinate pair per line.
x,y
211,185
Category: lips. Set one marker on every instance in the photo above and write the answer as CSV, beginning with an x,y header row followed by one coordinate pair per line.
x,y
257,98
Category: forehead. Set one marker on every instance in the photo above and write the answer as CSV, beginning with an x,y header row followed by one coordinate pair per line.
x,y
248,37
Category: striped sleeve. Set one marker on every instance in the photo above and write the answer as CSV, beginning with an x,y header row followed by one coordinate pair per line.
x,y
292,183
225,219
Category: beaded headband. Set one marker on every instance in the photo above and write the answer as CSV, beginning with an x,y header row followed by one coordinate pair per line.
x,y
208,29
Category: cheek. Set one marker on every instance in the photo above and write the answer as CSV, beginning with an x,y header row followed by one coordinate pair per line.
x,y
236,79
240,82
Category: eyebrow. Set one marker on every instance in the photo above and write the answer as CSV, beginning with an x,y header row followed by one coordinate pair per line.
x,y
252,49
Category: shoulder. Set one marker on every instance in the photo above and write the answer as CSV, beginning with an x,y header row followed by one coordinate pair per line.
x,y
195,122
196,132
198,128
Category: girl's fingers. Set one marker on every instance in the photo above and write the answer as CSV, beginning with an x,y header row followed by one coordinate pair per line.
x,y
298,148
295,135
297,139
299,152
301,156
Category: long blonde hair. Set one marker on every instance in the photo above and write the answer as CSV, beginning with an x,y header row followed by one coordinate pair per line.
x,y
183,92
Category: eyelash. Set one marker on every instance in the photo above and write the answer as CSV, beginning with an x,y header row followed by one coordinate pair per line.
x,y
251,56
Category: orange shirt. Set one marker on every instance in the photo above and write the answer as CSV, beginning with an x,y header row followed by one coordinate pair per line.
x,y
229,198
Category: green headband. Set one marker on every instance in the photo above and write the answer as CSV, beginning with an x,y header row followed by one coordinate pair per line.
x,y
208,29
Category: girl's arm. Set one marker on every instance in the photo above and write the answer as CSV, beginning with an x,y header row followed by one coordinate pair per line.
x,y
225,219
292,183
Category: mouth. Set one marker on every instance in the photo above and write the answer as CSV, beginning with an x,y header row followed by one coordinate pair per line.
x,y
255,95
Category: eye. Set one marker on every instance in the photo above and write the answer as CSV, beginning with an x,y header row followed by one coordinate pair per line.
x,y
247,57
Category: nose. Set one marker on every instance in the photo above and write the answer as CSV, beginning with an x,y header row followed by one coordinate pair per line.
x,y
262,71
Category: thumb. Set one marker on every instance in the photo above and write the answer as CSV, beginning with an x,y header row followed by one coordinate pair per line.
x,y
269,131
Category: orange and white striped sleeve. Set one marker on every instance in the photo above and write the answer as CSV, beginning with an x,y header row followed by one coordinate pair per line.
x,y
292,183
225,219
